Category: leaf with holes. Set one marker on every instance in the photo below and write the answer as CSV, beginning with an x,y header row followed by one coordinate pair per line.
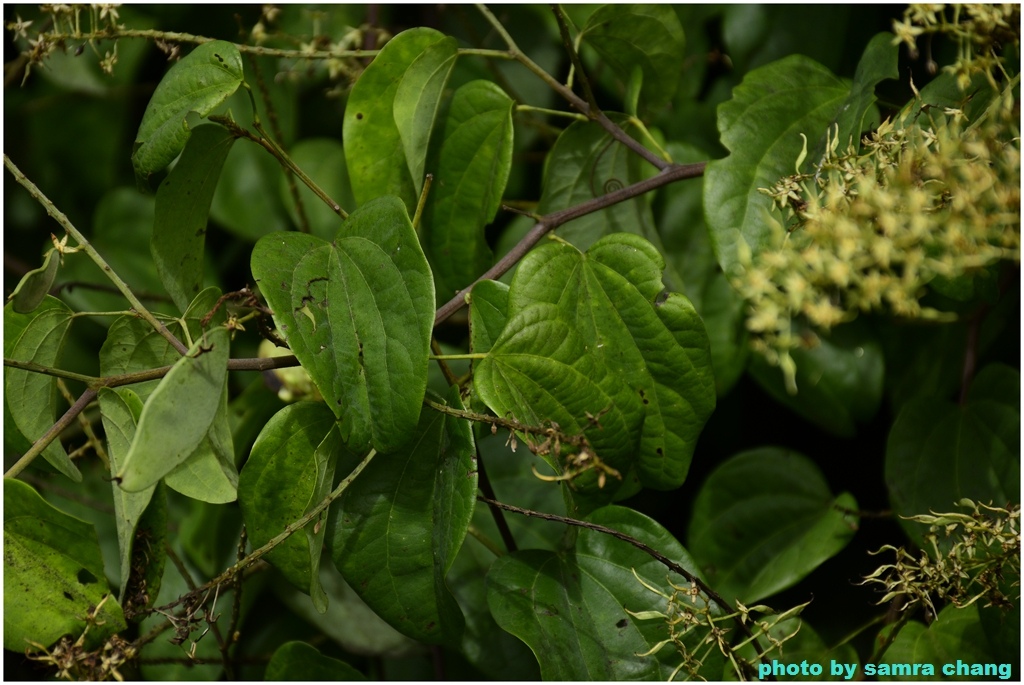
x,y
358,314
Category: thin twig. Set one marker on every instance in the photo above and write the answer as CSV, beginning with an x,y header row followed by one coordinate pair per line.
x,y
49,436
672,173
90,435
665,561
236,607
575,100
290,529
496,512
122,287
574,57
59,373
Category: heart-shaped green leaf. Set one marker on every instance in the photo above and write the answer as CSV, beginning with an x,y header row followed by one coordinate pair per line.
x,y
765,519
358,314
398,527
290,470
472,170
199,83
596,333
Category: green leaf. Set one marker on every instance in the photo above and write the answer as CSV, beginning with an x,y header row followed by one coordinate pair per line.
x,y
198,83
878,63
472,171
120,409
41,342
398,527
209,472
53,574
585,163
488,314
761,127
182,207
34,286
358,314
839,382
417,100
374,147
291,470
179,413
596,333
209,535
955,639
763,520
646,36
323,160
300,661
939,452
570,608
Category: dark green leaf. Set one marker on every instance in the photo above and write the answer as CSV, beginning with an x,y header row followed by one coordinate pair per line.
x,y
939,452
300,661
417,100
839,382
198,83
53,574
179,413
246,201
761,127
182,208
648,37
570,608
488,314
765,519
407,514
596,334
374,148
474,164
41,342
34,286
358,314
290,470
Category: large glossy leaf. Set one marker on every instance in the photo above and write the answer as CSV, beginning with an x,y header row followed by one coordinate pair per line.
x,y
763,520
53,573
417,100
182,207
374,148
358,314
121,409
586,162
761,127
33,395
301,661
839,382
397,529
198,83
570,608
290,470
601,321
645,37
473,168
939,452
179,413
